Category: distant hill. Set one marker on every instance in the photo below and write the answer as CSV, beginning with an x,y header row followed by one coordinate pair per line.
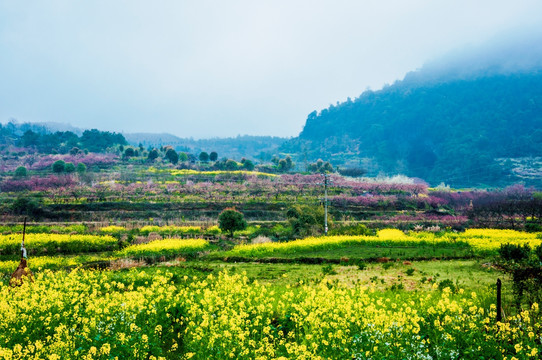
x,y
39,137
250,147
258,148
150,139
448,123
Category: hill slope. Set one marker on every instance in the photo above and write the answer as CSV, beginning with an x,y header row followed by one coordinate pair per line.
x,y
463,131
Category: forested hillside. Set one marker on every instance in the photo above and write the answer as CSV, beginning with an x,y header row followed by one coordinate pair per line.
x,y
475,131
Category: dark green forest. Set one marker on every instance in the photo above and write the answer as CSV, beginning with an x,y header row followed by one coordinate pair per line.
x,y
475,132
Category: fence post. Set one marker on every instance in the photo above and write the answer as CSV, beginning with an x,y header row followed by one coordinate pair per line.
x,y
499,300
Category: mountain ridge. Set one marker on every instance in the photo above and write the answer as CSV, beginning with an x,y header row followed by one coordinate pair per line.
x,y
439,128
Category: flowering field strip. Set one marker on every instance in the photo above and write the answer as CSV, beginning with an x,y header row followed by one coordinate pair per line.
x,y
387,237
170,229
51,262
112,229
167,247
184,172
38,244
486,241
44,229
139,315
481,241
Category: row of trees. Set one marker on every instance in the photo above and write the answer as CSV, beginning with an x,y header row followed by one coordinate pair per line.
x,y
211,162
58,167
63,142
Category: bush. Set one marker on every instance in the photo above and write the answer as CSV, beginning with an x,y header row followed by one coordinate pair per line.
x,y
203,156
69,168
352,172
20,172
306,220
358,229
58,166
231,220
231,165
538,252
446,284
81,168
361,265
328,270
511,252
533,227
129,152
153,155
27,206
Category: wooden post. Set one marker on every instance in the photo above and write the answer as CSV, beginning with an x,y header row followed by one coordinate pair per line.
x,y
22,243
499,300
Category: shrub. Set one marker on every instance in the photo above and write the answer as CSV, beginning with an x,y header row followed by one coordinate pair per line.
x,y
27,206
213,230
81,168
172,156
113,229
361,265
231,220
512,252
59,166
446,284
358,229
538,252
533,227
231,165
387,265
328,270
203,156
129,152
20,172
69,168
153,155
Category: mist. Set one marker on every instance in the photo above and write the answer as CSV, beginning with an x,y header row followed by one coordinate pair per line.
x,y
212,69
508,53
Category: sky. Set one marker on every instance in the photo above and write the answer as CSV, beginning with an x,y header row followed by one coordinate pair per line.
x,y
207,69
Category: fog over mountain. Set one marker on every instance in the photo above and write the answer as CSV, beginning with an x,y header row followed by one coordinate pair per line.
x,y
218,69
516,52
470,119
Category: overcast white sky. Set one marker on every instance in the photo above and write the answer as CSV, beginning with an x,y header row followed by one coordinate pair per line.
x,y
223,68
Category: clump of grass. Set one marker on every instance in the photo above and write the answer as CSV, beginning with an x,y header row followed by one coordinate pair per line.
x,y
447,283
328,270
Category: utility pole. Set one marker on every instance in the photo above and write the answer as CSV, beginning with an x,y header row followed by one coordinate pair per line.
x,y
325,203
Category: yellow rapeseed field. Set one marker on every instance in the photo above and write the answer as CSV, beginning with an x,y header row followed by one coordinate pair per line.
x,y
481,240
164,247
136,315
53,244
